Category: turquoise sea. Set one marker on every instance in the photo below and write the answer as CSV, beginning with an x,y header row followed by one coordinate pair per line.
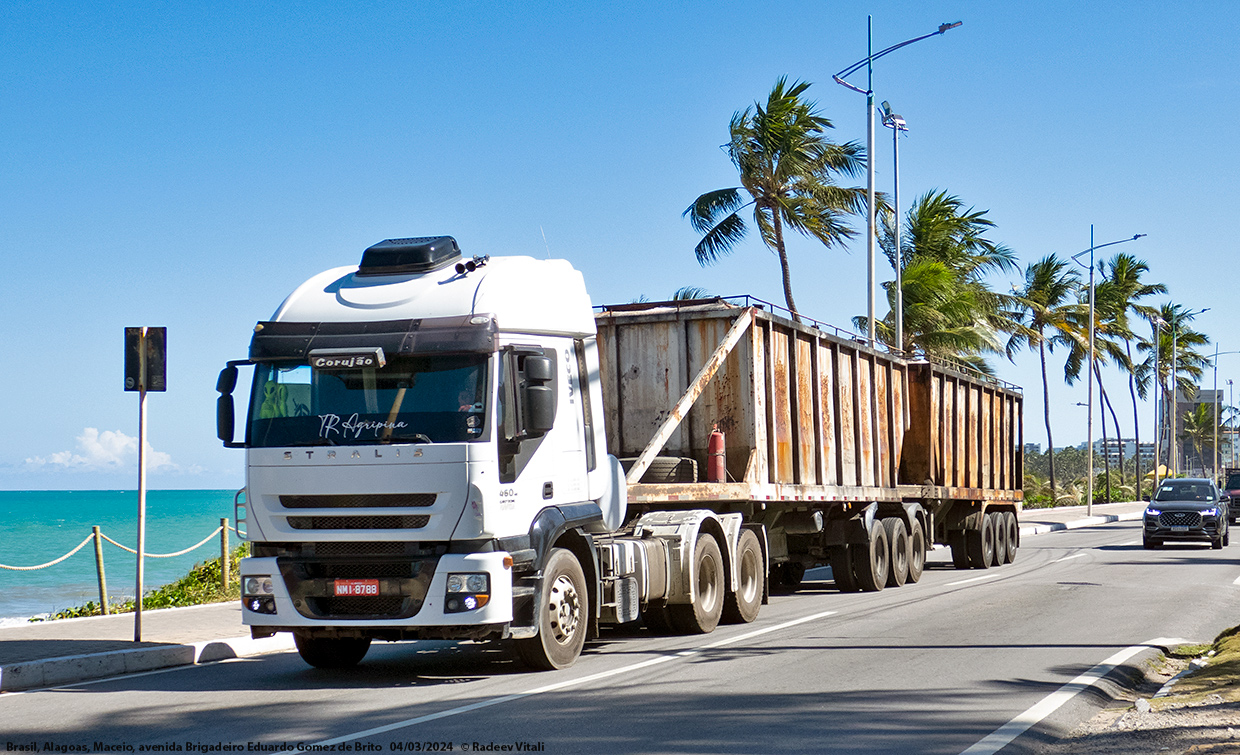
x,y
40,526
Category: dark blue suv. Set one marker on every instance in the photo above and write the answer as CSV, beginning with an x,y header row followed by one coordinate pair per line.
x,y
1186,510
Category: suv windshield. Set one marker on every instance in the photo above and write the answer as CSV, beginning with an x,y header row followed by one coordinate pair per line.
x,y
1233,481
439,399
1185,491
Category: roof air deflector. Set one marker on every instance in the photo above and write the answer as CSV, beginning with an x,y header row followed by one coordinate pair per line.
x,y
405,256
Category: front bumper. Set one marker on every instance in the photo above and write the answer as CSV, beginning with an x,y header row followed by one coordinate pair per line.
x,y
302,592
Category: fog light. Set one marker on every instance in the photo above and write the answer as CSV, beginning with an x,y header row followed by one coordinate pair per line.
x,y
265,604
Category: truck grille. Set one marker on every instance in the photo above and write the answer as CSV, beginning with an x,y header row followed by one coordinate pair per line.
x,y
1180,519
403,584
358,522
394,501
359,608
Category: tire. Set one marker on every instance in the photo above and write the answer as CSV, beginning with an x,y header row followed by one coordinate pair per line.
x,y
980,544
1217,543
1149,543
742,606
872,561
897,540
331,652
842,568
1013,533
1001,536
702,615
1227,538
960,549
917,552
562,613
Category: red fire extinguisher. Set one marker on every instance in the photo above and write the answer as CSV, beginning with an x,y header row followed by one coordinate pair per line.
x,y
716,463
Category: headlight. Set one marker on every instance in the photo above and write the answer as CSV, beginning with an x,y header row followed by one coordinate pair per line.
x,y
465,592
258,594
1153,512
1212,511
257,586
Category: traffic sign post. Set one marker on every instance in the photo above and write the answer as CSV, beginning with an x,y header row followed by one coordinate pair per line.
x,y
145,370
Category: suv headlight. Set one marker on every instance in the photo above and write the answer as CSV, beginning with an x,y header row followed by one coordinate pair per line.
x,y
465,592
1152,512
1212,511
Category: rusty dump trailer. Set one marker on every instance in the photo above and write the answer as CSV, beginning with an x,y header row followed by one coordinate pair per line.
x,y
843,454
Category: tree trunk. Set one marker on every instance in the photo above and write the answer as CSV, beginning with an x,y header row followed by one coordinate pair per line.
x,y
1046,406
783,263
1106,457
1136,420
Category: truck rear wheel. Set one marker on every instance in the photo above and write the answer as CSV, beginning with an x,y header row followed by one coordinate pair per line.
x,y
702,615
960,549
917,551
980,542
872,560
897,538
561,613
1001,538
742,606
1013,530
842,568
331,652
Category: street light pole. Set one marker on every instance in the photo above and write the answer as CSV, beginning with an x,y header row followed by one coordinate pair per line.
x,y
897,124
1218,354
868,62
1159,400
1089,378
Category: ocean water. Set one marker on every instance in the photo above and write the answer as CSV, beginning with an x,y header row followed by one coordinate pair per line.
x,y
39,526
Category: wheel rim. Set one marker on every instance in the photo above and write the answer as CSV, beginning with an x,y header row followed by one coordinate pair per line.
x,y
749,576
564,609
708,583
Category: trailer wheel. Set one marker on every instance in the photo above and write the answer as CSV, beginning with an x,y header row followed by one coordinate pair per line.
x,y
897,538
917,551
842,568
331,652
561,613
872,560
742,606
702,615
1013,531
1001,538
980,542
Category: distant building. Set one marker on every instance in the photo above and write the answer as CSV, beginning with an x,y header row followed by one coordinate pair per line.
x,y
1033,448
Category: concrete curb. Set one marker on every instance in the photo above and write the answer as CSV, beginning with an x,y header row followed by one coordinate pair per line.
x,y
1041,529
78,668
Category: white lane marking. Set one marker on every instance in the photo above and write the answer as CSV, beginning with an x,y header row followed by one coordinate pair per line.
x,y
1134,542
1003,736
1237,582
571,682
1065,558
992,575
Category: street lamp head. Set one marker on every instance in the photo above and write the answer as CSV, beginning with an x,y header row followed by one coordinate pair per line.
x,y
946,26
1138,236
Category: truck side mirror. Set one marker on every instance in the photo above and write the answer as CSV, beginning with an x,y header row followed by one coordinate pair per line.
x,y
227,381
539,396
225,423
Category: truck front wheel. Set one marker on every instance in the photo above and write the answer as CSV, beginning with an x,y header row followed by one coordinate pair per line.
x,y
562,615
331,652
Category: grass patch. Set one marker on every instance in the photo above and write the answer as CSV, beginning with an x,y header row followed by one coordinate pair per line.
x,y
201,585
1220,677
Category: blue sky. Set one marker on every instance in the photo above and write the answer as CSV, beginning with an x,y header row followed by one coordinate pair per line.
x,y
188,165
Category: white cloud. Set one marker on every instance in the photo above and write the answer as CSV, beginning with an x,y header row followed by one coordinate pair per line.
x,y
107,450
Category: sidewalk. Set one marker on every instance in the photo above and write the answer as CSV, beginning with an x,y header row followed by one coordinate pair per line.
x,y
51,653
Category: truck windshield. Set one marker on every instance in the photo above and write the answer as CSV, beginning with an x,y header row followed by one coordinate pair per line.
x,y
439,399
1233,481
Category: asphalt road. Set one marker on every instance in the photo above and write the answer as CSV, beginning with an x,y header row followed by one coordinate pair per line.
x,y
934,667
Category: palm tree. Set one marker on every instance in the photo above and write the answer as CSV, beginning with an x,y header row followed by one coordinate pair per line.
x,y
949,309
1174,336
787,168
1199,429
1046,300
1124,273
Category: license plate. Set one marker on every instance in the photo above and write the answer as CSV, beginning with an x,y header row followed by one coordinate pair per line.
x,y
355,587
1179,529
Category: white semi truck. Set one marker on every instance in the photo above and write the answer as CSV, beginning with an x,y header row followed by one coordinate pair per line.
x,y
434,450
